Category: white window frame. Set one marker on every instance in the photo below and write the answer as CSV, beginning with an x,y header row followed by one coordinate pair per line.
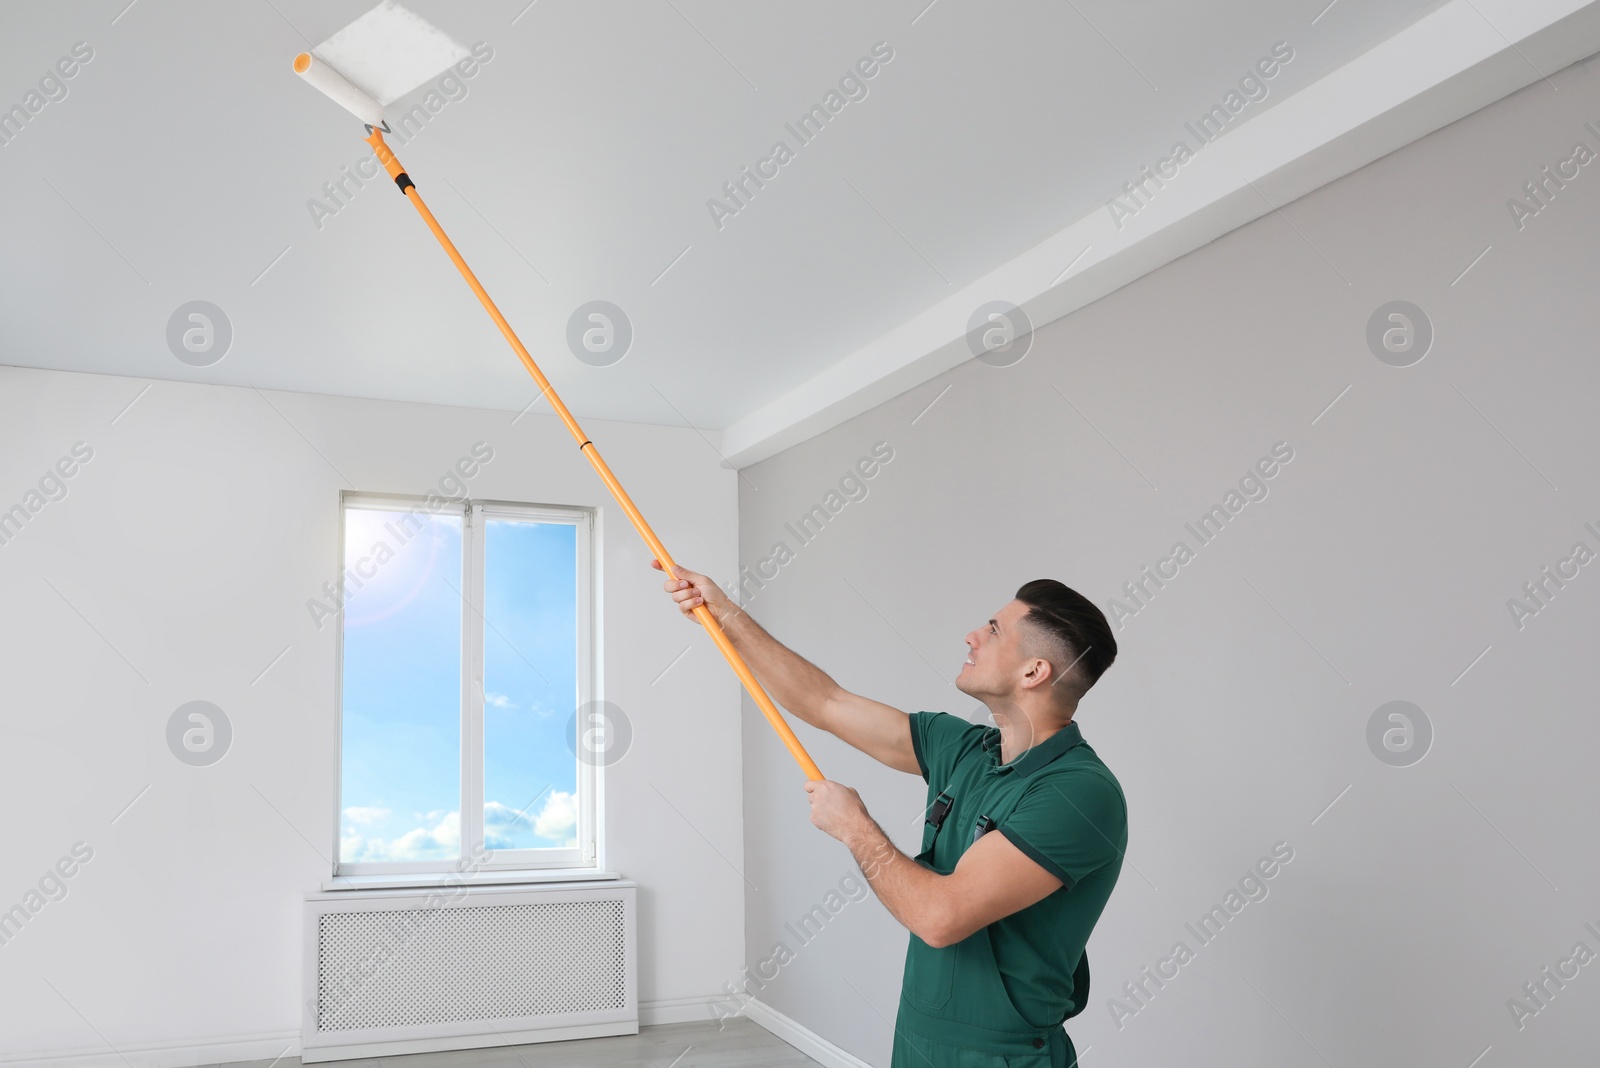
x,y
586,857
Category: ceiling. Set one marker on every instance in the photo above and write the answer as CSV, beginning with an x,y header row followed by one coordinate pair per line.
x,y
182,162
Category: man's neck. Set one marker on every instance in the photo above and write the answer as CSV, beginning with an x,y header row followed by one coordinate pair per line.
x,y
1020,732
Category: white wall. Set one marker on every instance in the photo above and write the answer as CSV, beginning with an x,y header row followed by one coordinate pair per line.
x,y
1378,568
181,561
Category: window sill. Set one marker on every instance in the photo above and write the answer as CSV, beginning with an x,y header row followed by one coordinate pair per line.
x,y
509,877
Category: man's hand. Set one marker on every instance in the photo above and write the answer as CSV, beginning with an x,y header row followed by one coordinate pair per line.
x,y
837,810
691,590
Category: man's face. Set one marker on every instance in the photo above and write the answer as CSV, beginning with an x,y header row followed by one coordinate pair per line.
x,y
993,662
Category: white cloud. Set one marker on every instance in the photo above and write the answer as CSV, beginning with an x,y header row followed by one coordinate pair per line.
x,y
558,819
504,827
498,700
496,814
439,835
421,843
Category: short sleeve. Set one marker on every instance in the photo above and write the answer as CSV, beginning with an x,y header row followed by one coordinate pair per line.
x,y
1071,824
939,739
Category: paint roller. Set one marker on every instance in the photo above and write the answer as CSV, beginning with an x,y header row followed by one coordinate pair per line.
x,y
390,45
337,88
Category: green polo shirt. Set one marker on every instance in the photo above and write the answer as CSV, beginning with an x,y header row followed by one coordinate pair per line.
x,y
1061,806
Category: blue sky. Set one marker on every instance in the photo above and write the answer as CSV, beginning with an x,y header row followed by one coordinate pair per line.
x,y
402,672
530,681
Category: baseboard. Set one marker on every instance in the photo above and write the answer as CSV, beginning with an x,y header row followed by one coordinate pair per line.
x,y
493,1038
801,1038
260,1047
678,1010
277,1044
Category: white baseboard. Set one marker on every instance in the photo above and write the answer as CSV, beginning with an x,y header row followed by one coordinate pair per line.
x,y
678,1010
801,1038
272,1045
261,1047
331,1055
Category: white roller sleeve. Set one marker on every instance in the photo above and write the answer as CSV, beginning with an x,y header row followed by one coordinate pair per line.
x,y
337,89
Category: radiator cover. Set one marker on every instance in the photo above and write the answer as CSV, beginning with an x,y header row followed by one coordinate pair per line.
x,y
416,970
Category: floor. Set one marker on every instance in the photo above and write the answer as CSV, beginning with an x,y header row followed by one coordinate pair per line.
x,y
738,1043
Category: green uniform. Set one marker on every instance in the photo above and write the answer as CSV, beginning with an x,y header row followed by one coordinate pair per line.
x,y
999,997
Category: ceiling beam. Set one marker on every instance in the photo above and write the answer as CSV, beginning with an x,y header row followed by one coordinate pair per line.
x,y
1459,58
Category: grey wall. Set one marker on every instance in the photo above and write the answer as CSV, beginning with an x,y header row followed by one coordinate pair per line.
x,y
177,566
1377,568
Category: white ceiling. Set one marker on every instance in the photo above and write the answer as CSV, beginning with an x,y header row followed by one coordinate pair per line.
x,y
577,168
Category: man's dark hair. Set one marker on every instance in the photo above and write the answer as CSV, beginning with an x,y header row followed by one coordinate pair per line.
x,y
1076,631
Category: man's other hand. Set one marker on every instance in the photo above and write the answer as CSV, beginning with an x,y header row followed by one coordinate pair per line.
x,y
691,589
837,809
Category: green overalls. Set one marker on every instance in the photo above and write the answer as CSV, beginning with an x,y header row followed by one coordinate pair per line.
x,y
999,998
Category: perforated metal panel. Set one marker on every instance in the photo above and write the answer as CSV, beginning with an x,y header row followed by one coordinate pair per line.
x,y
427,966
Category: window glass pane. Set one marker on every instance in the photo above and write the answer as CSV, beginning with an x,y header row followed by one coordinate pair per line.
x,y
402,687
530,684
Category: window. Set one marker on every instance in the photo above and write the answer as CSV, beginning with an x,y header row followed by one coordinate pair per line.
x,y
465,654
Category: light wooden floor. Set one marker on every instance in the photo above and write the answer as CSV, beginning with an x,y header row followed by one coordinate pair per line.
x,y
738,1044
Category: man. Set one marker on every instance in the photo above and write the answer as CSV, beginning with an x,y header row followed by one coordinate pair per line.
x,y
1024,834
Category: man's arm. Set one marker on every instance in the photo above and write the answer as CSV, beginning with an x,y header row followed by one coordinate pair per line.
x,y
992,879
877,729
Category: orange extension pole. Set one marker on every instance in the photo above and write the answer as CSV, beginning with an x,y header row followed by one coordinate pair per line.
x,y
702,612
